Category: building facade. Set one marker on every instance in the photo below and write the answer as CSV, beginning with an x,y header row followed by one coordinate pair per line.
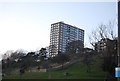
x,y
106,45
61,34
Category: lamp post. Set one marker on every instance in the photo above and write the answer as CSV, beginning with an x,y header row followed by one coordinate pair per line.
x,y
118,53
119,33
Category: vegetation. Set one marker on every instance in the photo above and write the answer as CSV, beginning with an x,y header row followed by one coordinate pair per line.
x,y
93,64
60,59
22,61
77,71
104,34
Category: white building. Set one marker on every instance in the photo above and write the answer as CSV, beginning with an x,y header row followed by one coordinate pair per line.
x,y
61,34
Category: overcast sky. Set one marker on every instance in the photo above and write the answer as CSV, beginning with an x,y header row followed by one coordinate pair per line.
x,y
26,25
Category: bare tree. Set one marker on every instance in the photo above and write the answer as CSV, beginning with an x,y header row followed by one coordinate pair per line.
x,y
7,54
103,31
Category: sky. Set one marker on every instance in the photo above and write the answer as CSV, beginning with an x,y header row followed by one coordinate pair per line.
x,y
26,25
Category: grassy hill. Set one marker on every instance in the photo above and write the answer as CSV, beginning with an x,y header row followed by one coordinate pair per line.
x,y
76,71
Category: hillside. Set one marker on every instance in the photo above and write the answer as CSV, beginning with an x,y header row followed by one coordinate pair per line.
x,y
76,71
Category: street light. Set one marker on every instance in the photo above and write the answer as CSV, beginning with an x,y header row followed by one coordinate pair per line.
x,y
117,69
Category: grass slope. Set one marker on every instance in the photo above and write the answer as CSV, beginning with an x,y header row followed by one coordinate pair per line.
x,y
77,71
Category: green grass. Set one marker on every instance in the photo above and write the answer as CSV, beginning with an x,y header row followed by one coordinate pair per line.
x,y
77,71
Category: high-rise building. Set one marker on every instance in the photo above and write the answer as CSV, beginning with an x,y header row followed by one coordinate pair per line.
x,y
61,34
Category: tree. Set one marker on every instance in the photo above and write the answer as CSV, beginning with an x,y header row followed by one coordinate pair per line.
x,y
60,59
42,53
110,54
22,71
28,60
87,60
16,56
103,36
103,31
11,60
74,46
7,54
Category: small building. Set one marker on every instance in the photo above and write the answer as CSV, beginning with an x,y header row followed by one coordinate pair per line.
x,y
105,45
